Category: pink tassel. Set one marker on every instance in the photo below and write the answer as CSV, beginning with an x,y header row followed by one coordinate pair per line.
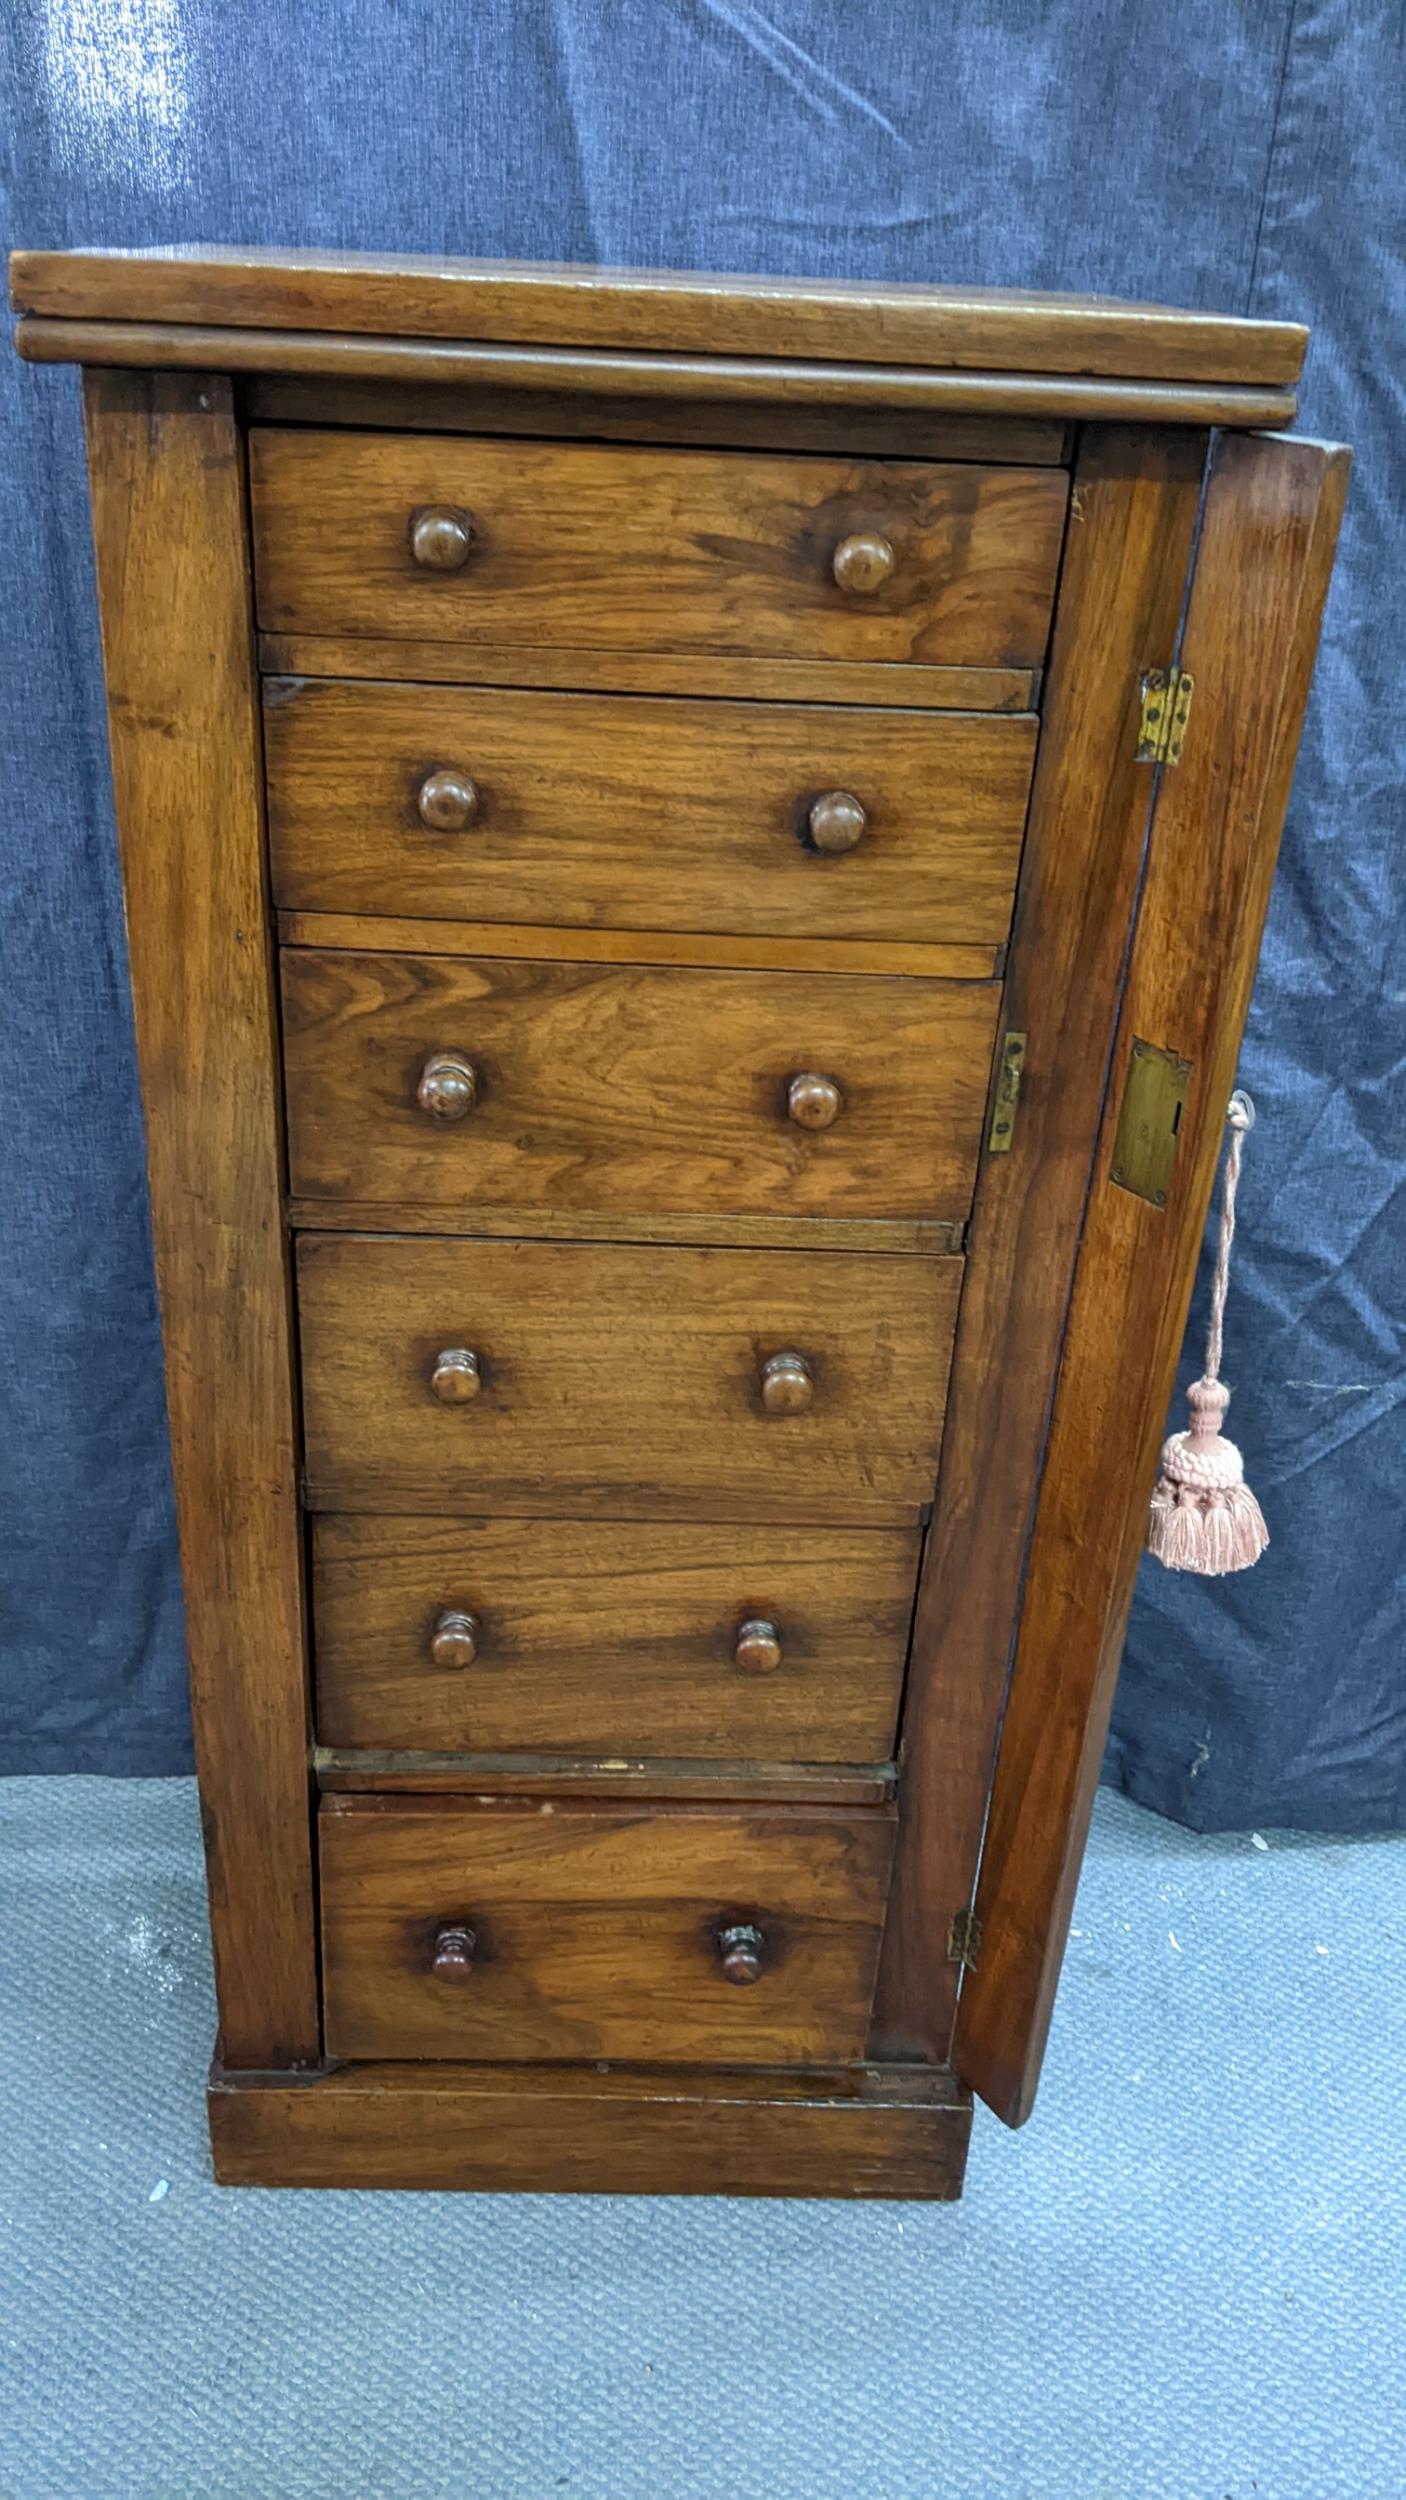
x,y
1204,1516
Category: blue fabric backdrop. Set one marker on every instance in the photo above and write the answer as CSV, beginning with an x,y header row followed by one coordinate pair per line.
x,y
1246,157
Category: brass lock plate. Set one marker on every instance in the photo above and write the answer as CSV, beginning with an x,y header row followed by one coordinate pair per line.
x,y
1149,1124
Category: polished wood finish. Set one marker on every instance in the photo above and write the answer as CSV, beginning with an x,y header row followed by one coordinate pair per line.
x,y
836,822
661,310
609,547
750,382
660,1778
579,2130
893,1237
709,674
441,538
652,667
863,563
1265,555
758,1648
1135,501
447,1087
743,1952
606,1087
593,1637
814,1101
648,814
624,1380
788,420
166,474
600,1931
454,1640
456,1375
445,802
787,1384
453,1953
518,939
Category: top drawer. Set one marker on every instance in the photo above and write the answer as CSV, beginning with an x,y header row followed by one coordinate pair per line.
x,y
445,538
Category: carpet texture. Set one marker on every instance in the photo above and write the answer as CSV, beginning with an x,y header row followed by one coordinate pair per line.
x,y
1183,2281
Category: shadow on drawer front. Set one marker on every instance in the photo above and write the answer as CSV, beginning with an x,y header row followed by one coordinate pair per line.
x,y
562,1376
455,1081
592,546
572,1637
528,1931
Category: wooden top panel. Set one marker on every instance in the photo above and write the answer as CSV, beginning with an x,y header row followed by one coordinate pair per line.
x,y
670,311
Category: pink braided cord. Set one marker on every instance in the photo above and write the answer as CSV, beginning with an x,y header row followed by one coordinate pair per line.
x,y
1241,1117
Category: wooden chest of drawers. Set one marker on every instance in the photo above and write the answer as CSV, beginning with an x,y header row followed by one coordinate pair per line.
x,y
655,811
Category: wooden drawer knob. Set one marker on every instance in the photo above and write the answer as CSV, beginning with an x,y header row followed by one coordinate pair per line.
x,y
448,1086
446,801
441,537
813,1101
788,1384
455,1638
836,821
758,1650
456,1376
862,564
741,1951
453,1953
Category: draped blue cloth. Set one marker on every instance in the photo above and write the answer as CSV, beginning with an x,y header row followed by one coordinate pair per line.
x,y
1246,157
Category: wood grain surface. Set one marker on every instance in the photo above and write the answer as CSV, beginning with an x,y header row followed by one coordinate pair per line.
x,y
595,1929
605,546
1134,509
360,932
622,1379
602,1638
862,319
856,418
709,674
577,2130
604,811
628,1088
1263,562
166,472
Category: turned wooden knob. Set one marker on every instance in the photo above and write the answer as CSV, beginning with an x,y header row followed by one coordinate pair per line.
x,y
448,1086
788,1384
441,537
454,1640
740,1953
813,1101
456,1376
453,1954
862,563
758,1650
446,801
836,821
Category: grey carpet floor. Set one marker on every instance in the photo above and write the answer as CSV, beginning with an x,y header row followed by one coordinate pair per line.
x,y
1183,2281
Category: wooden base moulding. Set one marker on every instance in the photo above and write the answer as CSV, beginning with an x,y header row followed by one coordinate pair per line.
x,y
587,2130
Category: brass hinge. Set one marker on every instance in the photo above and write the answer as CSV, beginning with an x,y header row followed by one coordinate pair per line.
x,y
1007,1094
1166,708
964,1939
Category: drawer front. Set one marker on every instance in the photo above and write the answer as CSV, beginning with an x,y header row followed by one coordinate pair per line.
x,y
645,813
525,1931
556,1376
584,1637
455,1082
596,547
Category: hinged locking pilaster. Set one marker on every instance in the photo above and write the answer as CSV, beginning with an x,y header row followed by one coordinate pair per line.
x,y
1166,706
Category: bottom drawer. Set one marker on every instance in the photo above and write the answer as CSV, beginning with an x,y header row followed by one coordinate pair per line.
x,y
524,1930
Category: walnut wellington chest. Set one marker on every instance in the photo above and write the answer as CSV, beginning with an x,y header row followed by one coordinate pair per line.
x,y
694,854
